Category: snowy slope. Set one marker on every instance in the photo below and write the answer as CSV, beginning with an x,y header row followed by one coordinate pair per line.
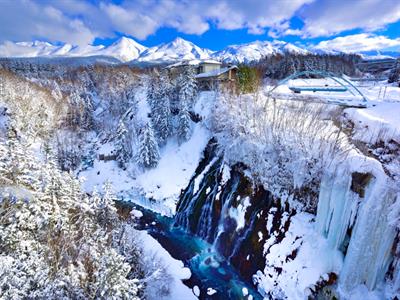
x,y
178,49
255,51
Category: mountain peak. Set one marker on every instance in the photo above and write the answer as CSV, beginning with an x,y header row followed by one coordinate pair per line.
x,y
180,40
125,49
127,42
176,50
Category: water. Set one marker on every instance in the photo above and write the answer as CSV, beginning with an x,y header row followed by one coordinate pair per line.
x,y
209,269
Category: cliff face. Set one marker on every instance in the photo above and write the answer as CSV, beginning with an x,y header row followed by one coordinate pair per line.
x,y
271,243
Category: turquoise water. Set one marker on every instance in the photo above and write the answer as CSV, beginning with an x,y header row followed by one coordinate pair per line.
x,y
209,269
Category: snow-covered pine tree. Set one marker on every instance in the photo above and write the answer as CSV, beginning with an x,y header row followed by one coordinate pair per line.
x,y
106,212
75,110
88,111
184,129
188,87
153,90
51,244
148,154
165,85
122,145
162,120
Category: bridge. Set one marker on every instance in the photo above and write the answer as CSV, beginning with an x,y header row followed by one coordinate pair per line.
x,y
343,84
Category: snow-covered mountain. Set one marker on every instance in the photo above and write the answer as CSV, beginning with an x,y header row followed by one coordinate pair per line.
x,y
178,49
128,50
124,49
255,51
44,49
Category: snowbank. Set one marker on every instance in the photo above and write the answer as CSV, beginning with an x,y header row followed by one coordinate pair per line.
x,y
375,123
174,268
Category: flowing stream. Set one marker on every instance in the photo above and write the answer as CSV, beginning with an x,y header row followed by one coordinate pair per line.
x,y
209,269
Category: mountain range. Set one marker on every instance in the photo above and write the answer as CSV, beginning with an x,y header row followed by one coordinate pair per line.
x,y
128,50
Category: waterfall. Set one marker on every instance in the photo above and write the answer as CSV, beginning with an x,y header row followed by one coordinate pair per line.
x,y
353,215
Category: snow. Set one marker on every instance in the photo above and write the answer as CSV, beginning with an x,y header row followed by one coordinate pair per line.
x,y
136,213
211,291
175,168
314,258
196,290
226,174
239,213
381,122
174,267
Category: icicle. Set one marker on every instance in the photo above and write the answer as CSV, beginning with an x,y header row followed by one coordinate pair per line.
x,y
369,252
336,208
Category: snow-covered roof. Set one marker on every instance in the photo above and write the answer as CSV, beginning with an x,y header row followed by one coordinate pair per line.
x,y
216,72
192,62
210,61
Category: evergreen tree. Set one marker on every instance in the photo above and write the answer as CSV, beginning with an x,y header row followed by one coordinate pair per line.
x,y
52,246
123,147
184,130
165,85
88,112
161,118
188,87
148,154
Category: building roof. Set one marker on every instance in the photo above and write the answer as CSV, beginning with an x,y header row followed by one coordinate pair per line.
x,y
210,61
215,73
183,63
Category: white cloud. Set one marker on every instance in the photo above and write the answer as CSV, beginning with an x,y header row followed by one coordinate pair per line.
x,y
27,20
255,15
359,42
79,22
130,22
328,17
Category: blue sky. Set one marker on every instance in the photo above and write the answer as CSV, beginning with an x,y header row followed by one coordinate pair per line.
x,y
351,25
